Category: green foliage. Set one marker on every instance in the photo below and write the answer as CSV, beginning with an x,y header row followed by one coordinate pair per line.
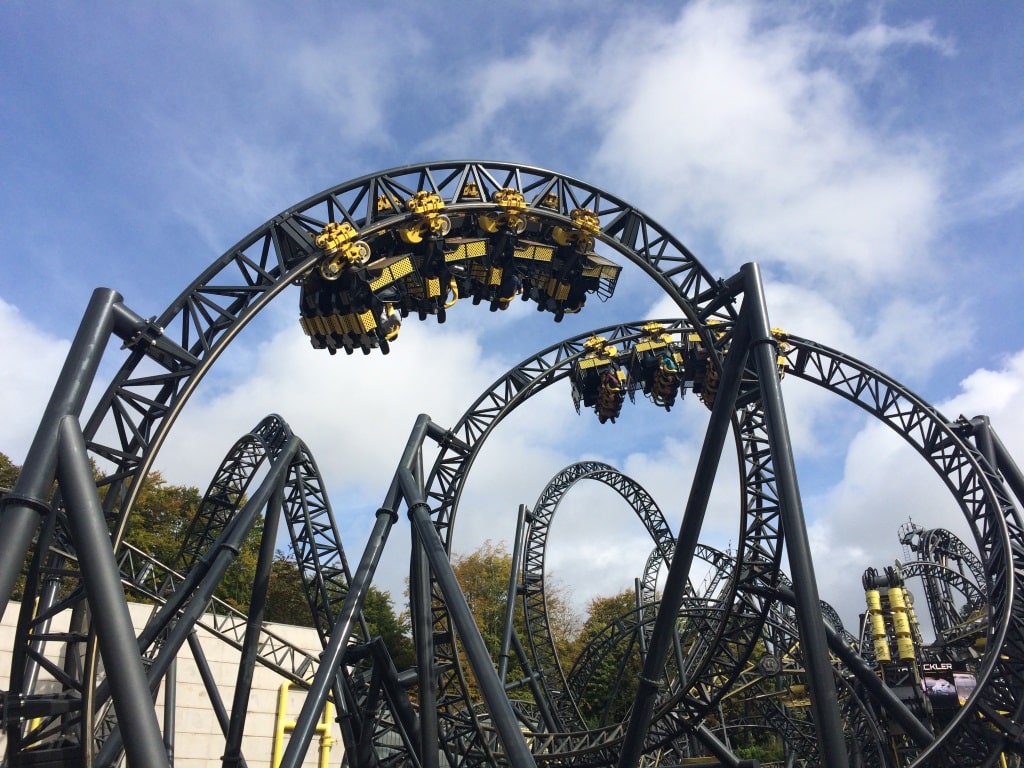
x,y
286,596
612,685
8,472
160,517
765,746
394,629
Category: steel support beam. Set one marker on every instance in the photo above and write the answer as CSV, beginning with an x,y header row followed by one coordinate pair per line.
x,y
505,722
112,621
253,628
170,709
828,723
190,600
1001,459
507,627
334,653
423,637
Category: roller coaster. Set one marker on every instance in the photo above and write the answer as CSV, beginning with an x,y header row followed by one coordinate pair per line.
x,y
752,649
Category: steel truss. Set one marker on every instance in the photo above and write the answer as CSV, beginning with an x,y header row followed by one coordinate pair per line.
x,y
629,633
167,356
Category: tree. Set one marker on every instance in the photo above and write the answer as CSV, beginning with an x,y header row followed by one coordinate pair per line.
x,y
612,683
483,576
160,517
286,595
160,520
8,472
392,628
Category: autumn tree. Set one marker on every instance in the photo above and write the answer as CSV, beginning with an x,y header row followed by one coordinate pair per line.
x,y
483,576
286,595
287,603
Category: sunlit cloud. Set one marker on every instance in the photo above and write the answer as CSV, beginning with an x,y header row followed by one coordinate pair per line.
x,y
749,132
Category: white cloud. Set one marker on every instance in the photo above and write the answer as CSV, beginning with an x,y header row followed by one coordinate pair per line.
x,y
739,126
998,394
33,360
354,412
750,126
871,43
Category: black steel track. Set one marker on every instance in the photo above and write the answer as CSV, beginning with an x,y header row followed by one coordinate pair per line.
x,y
170,354
728,643
994,522
540,638
135,414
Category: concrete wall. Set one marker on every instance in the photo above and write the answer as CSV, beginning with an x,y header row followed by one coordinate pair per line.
x,y
199,741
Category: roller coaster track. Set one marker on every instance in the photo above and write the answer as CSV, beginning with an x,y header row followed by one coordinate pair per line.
x,y
167,357
728,644
779,633
995,523
760,691
989,511
541,640
941,549
951,581
149,579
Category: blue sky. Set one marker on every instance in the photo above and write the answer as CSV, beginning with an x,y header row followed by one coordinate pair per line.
x,y
867,155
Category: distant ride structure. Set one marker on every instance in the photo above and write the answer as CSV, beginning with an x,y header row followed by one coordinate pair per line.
x,y
413,241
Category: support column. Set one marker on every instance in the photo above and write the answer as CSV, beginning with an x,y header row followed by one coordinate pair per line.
x,y
508,627
821,682
505,722
250,644
1004,464
334,654
423,637
102,579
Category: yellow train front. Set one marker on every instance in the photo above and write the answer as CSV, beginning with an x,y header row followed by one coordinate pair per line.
x,y
560,272
338,307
